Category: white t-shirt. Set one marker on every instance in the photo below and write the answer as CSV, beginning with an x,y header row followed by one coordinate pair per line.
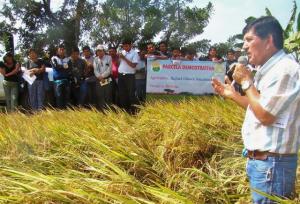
x,y
132,56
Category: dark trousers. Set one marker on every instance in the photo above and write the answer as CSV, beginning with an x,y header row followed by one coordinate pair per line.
x,y
79,93
140,85
115,91
126,85
104,96
92,93
62,93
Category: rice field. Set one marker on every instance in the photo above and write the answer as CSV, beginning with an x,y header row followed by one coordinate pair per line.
x,y
170,152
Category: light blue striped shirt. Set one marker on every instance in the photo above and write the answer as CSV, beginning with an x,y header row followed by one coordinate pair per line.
x,y
278,82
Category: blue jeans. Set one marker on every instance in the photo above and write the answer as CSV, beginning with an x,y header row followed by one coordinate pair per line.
x,y
274,176
36,95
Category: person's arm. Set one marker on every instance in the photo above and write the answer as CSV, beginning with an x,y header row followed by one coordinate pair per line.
x,y
2,70
14,71
86,69
55,65
130,63
39,70
97,70
227,90
242,74
42,69
261,114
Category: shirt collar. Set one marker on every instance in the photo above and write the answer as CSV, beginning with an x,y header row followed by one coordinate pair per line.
x,y
262,70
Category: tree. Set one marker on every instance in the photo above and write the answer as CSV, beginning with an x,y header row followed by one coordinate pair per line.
x,y
291,37
223,48
107,21
118,19
6,37
142,20
41,27
182,23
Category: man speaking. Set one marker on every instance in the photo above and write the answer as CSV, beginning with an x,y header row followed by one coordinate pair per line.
x,y
271,129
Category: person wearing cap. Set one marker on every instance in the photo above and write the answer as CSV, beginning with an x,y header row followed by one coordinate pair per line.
x,y
270,131
102,70
9,68
129,59
61,78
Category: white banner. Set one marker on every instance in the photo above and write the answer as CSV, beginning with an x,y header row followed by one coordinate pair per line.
x,y
182,77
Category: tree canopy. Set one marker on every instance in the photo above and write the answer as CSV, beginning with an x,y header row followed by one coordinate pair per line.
x,y
291,33
76,22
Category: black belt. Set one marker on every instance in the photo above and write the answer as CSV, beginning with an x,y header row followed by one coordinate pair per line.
x,y
125,74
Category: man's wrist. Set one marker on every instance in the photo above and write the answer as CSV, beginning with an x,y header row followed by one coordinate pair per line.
x,y
246,84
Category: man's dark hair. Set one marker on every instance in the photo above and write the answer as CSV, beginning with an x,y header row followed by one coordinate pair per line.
x,y
8,54
265,26
163,42
112,47
190,51
151,43
176,48
126,42
75,49
86,48
212,48
61,46
230,51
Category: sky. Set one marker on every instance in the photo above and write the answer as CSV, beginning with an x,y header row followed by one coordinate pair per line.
x,y
229,16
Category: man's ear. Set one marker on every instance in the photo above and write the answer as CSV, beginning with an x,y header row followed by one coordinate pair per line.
x,y
270,42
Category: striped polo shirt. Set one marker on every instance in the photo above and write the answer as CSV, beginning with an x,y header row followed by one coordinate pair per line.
x,y
278,82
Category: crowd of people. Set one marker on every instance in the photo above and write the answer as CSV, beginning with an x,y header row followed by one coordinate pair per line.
x,y
87,80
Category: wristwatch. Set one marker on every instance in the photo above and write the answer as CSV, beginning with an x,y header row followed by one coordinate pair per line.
x,y
246,85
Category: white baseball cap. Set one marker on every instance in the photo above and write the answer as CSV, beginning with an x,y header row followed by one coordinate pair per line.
x,y
100,47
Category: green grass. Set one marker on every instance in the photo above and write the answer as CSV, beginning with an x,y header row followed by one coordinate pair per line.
x,y
184,152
